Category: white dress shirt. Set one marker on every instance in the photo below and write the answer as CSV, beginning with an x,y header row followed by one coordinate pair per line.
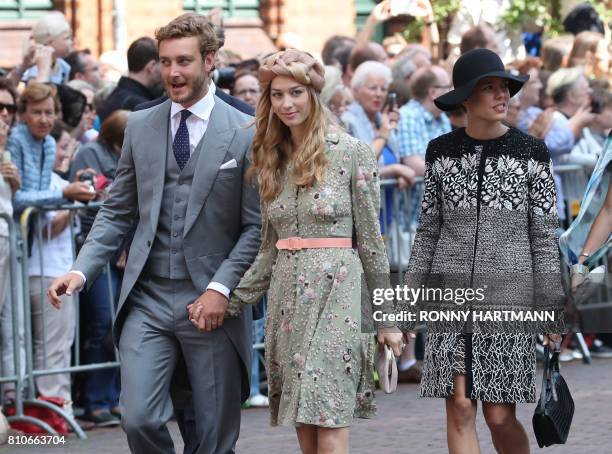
x,y
197,123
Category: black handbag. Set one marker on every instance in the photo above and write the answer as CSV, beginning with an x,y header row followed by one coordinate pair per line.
x,y
553,415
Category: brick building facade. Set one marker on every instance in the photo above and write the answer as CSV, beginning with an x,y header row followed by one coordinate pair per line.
x,y
252,26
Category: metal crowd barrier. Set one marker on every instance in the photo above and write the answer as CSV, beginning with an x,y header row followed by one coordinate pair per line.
x,y
397,227
12,298
25,382
574,179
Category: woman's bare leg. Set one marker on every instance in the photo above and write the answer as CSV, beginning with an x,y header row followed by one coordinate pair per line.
x,y
461,421
307,438
509,436
332,441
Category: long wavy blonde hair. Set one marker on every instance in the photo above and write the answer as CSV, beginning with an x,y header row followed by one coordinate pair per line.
x,y
272,145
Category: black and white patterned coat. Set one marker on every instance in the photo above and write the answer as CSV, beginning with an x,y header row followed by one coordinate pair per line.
x,y
488,207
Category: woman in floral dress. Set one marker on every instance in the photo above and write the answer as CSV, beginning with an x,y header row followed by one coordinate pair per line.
x,y
319,190
488,210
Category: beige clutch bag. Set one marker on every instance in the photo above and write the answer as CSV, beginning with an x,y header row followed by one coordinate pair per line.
x,y
387,369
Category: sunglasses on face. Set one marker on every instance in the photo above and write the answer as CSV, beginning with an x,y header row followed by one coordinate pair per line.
x,y
10,108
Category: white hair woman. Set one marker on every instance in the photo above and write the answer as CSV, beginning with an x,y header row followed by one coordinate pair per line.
x,y
44,60
368,118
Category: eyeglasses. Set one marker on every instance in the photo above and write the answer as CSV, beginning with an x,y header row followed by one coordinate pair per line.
x,y
10,108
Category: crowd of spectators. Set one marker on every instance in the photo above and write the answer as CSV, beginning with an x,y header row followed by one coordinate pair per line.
x,y
62,122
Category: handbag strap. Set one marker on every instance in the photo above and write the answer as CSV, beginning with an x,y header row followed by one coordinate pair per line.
x,y
545,376
551,364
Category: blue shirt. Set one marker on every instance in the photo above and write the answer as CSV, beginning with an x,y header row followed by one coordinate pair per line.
x,y
57,76
417,126
359,126
34,160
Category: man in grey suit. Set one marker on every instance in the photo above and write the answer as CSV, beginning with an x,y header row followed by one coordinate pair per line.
x,y
182,169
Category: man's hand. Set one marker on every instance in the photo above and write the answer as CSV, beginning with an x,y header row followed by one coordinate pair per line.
x,y
66,284
207,312
79,191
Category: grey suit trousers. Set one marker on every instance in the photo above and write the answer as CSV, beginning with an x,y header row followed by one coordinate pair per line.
x,y
155,332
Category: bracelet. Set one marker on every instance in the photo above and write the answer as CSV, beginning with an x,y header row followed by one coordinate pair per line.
x,y
585,254
579,268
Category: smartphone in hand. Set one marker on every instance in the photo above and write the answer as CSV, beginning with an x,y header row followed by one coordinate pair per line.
x,y
392,101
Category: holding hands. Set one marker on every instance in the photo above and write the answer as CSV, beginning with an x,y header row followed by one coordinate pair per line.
x,y
208,311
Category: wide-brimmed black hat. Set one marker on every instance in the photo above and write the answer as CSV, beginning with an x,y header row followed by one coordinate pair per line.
x,y
471,67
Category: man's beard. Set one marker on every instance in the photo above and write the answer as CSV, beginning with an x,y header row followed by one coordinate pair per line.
x,y
193,91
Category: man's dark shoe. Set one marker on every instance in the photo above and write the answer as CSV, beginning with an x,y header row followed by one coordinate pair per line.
x,y
102,418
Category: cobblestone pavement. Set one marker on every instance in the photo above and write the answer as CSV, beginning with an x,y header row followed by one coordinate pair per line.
x,y
406,424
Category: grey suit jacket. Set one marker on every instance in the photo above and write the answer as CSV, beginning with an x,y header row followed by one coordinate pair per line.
x,y
222,225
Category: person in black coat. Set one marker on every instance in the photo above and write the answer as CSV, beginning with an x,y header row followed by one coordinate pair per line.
x,y
142,83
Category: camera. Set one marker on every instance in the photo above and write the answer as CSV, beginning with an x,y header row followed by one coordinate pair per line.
x,y
225,77
596,106
89,178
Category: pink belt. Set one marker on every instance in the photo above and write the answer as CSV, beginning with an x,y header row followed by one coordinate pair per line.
x,y
296,243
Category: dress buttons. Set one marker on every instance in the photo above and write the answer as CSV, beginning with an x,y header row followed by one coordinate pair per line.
x,y
175,234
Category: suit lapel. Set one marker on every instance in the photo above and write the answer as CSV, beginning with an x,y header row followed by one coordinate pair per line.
x,y
158,134
213,148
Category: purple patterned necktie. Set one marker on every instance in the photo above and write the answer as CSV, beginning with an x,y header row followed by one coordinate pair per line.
x,y
181,141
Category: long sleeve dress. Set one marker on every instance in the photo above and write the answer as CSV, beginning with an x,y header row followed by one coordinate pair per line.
x,y
488,210
318,359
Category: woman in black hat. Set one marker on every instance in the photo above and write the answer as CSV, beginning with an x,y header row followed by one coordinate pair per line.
x,y
488,213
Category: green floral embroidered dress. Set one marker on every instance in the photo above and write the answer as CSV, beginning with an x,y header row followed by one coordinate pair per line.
x,y
319,363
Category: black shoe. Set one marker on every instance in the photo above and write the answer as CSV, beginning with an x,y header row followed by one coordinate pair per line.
x,y
103,418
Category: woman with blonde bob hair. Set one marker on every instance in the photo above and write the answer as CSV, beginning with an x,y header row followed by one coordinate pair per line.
x,y
319,189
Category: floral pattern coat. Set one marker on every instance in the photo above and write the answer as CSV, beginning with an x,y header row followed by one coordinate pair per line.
x,y
488,207
318,360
